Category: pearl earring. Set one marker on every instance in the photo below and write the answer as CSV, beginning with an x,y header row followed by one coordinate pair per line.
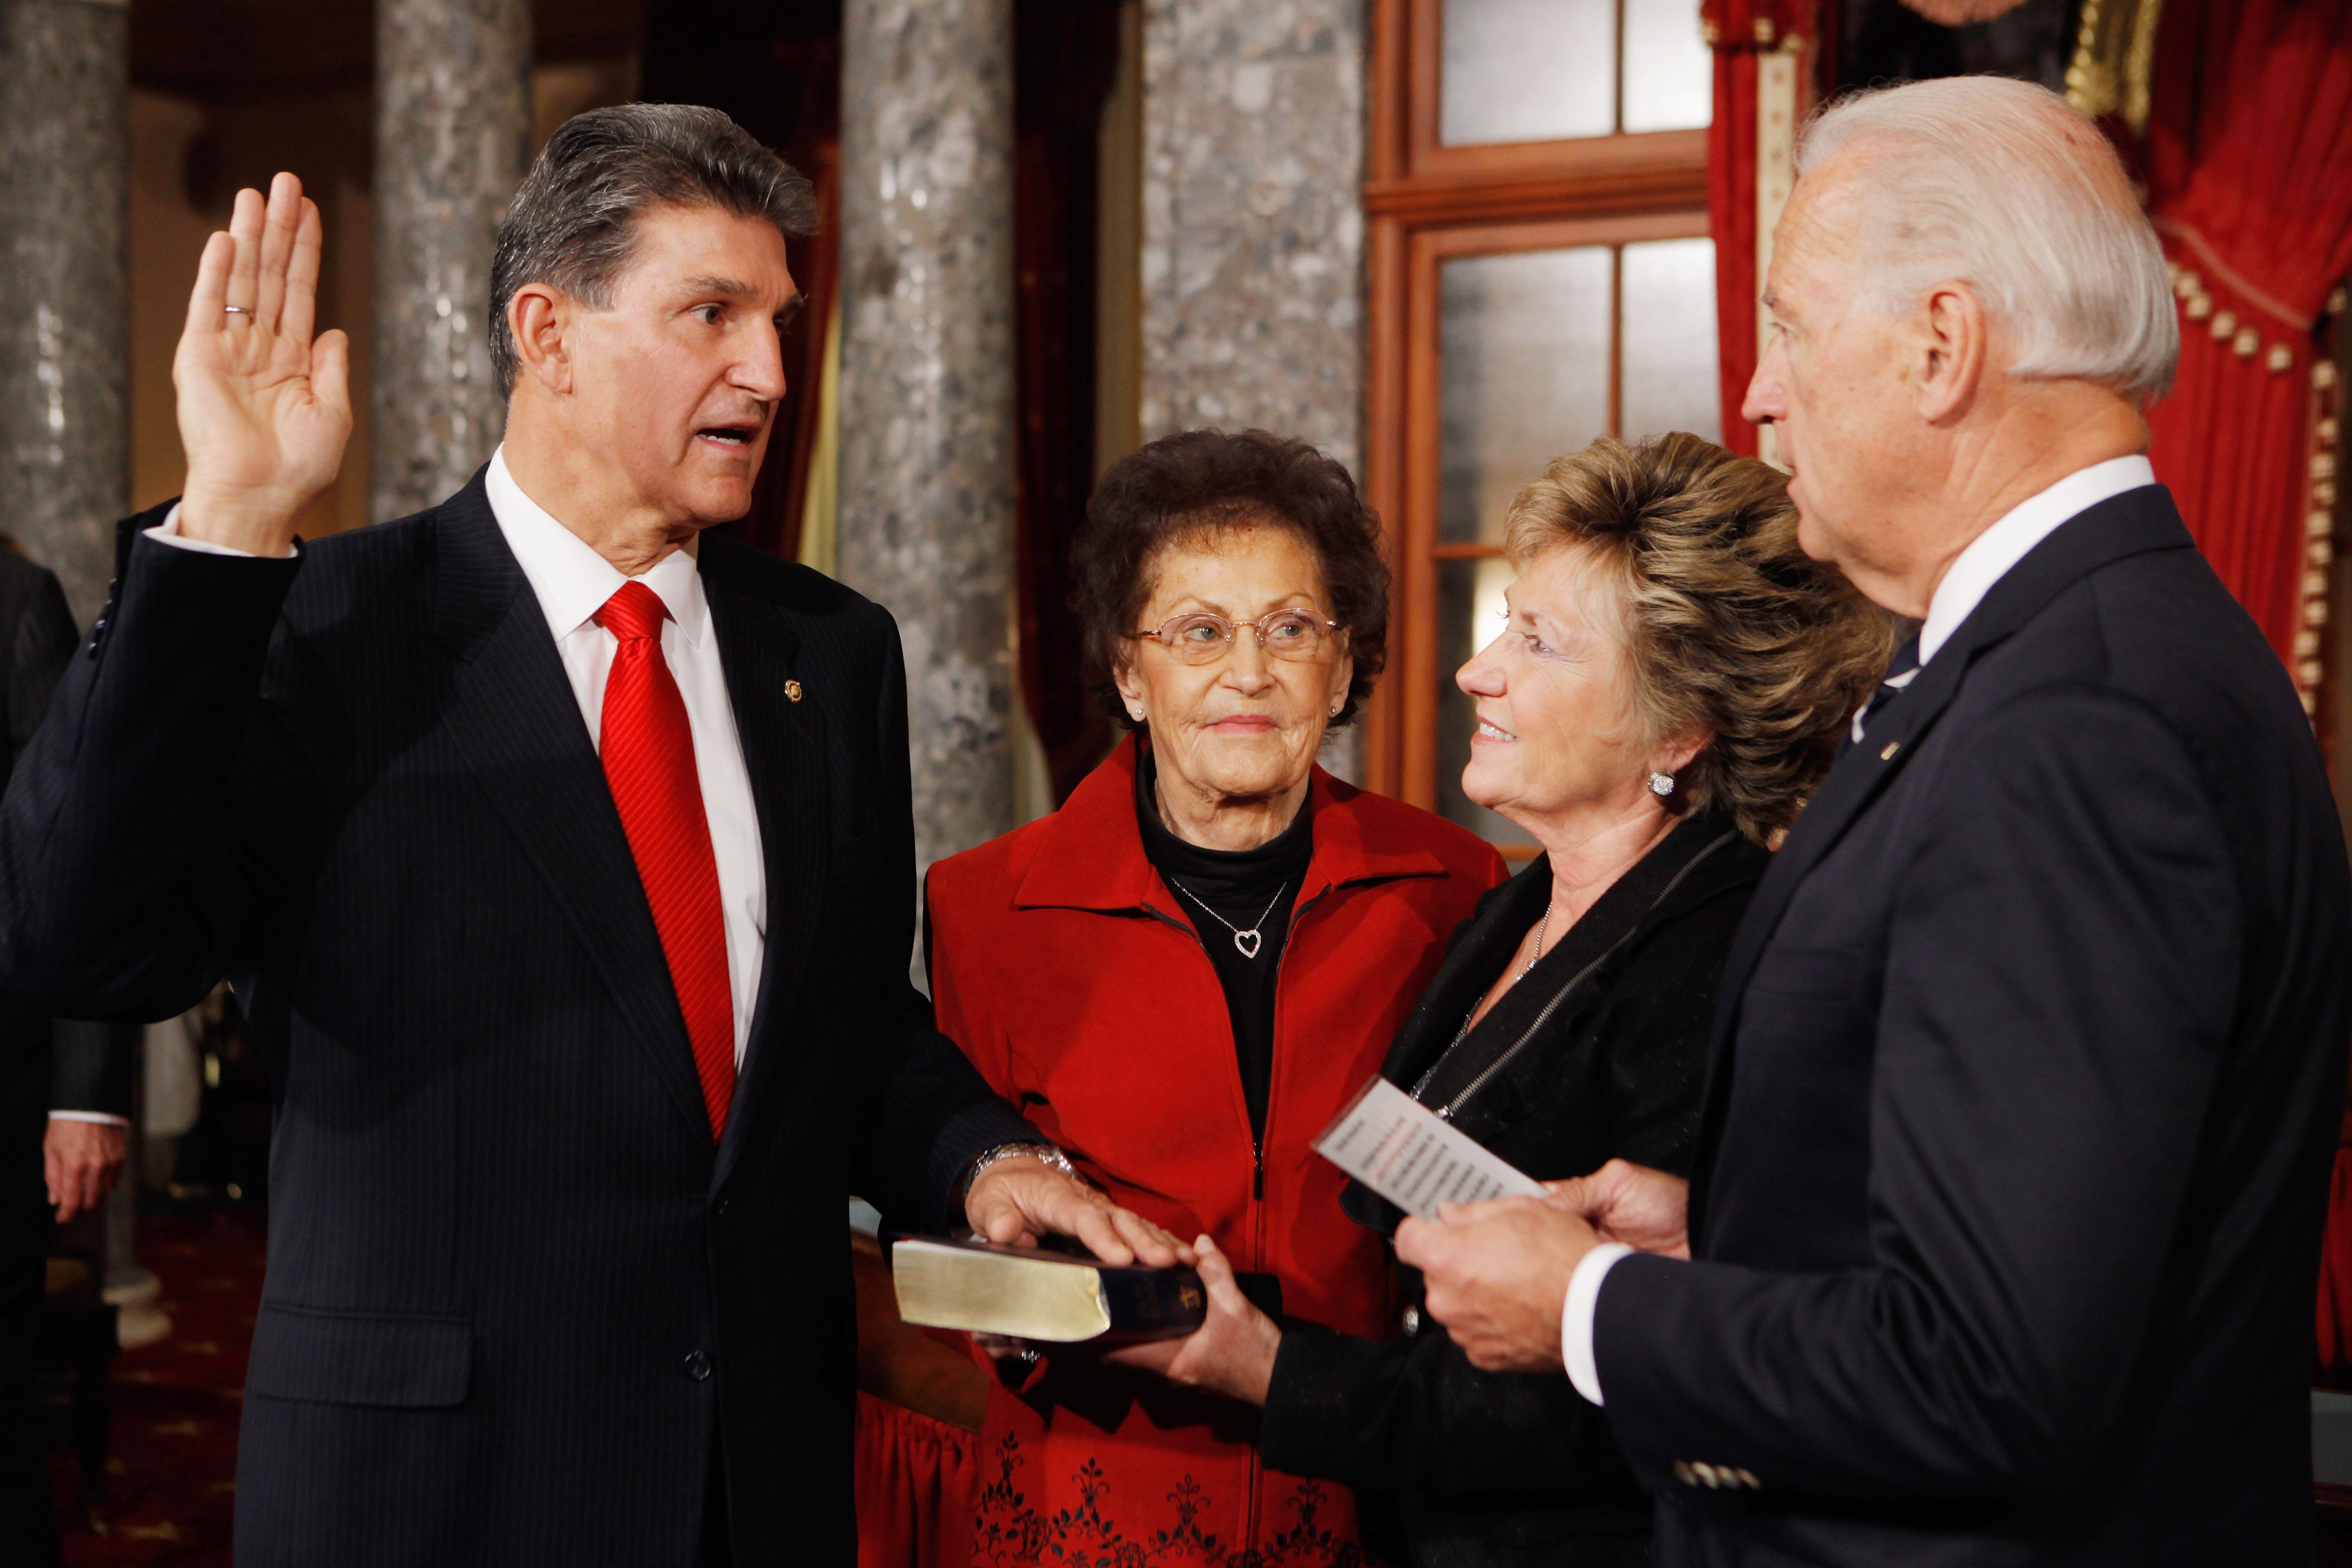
x,y
1662,784
1136,714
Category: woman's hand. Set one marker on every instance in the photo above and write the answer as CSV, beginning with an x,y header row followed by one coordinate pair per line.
x,y
1231,1352
264,409
1647,1210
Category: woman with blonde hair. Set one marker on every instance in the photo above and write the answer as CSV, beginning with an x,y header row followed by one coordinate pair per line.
x,y
1674,677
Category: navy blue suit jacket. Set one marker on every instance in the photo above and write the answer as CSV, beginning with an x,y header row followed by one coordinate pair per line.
x,y
2026,1082
513,1289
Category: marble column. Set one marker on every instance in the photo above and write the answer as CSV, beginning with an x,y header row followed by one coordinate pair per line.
x,y
452,140
927,392
1254,226
1254,218
65,305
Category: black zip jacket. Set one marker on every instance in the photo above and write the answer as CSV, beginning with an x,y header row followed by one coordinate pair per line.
x,y
1600,1052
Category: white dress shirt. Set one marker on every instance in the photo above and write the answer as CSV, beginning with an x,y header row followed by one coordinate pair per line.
x,y
571,583
1971,575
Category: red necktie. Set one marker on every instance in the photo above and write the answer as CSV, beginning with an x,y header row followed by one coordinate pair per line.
x,y
650,763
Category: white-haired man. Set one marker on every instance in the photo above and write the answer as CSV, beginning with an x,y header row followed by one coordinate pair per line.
x,y
2031,1053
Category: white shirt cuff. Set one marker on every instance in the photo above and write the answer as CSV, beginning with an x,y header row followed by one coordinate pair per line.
x,y
1576,1316
100,1118
168,532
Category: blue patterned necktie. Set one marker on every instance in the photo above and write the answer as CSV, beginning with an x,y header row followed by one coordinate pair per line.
x,y
1901,671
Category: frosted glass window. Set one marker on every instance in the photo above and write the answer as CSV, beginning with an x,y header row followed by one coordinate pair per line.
x,y
1528,70
1669,71
1469,615
1666,339
1524,351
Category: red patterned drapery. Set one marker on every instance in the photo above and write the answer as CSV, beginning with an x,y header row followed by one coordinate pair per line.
x,y
1763,52
2248,156
2248,162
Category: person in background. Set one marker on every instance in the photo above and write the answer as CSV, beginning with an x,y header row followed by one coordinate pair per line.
x,y
65,1096
1184,974
2000,1247
1674,678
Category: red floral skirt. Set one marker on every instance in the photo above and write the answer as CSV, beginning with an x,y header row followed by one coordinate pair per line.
x,y
1097,1465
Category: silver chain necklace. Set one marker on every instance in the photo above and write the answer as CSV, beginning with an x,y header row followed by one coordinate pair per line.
x,y
1248,941
1541,926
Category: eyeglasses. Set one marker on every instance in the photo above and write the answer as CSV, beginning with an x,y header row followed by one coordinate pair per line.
x,y
1198,637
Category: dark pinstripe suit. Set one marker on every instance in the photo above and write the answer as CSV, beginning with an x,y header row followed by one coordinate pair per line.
x,y
512,1289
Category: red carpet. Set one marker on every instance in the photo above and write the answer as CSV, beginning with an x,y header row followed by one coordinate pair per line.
x,y
173,1484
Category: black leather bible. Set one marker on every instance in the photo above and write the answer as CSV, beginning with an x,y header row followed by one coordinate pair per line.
x,y
1027,1292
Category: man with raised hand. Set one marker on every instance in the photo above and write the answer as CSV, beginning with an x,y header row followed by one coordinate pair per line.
x,y
2002,1243
560,852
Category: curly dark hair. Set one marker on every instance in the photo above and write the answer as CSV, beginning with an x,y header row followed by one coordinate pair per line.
x,y
1215,481
1727,625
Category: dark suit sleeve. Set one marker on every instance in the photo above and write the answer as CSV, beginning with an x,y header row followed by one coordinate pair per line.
x,y
165,803
2054,1008
90,1065
1415,1415
934,1113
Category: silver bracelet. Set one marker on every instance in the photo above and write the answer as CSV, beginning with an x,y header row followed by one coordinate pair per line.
x,y
1045,1155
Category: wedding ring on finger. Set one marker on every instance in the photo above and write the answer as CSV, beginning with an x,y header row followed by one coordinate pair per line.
x,y
236,310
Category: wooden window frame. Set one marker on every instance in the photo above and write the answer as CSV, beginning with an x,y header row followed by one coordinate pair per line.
x,y
1424,202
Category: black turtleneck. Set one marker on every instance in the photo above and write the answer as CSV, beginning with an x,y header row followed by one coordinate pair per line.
x,y
1250,890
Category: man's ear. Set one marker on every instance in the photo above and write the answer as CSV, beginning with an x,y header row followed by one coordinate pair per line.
x,y
539,319
1955,339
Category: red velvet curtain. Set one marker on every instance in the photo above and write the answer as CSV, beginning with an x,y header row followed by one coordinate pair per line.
x,y
2249,165
1066,53
1740,31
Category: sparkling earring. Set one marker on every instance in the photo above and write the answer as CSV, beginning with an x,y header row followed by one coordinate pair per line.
x,y
1334,711
1136,713
1661,783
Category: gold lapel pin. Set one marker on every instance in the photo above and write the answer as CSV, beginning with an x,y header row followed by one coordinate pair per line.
x,y
1886,756
792,690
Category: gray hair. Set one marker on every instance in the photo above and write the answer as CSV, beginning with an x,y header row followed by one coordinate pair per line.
x,y
2000,185
573,220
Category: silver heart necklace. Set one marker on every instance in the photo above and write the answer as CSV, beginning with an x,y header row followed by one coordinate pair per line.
x,y
1248,941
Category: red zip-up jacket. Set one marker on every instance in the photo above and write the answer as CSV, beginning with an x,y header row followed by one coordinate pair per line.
x,y
1072,976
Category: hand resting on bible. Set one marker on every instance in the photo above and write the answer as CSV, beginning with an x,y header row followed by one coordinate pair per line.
x,y
1019,1202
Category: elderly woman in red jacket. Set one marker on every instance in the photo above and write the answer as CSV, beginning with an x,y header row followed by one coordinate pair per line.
x,y
1184,974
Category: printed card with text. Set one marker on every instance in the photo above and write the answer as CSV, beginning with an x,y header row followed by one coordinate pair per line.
x,y
1417,1160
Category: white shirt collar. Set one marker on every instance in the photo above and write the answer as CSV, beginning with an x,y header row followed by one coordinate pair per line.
x,y
571,579
1993,552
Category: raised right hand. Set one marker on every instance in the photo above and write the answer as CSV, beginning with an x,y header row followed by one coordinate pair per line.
x,y
1646,1209
264,410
